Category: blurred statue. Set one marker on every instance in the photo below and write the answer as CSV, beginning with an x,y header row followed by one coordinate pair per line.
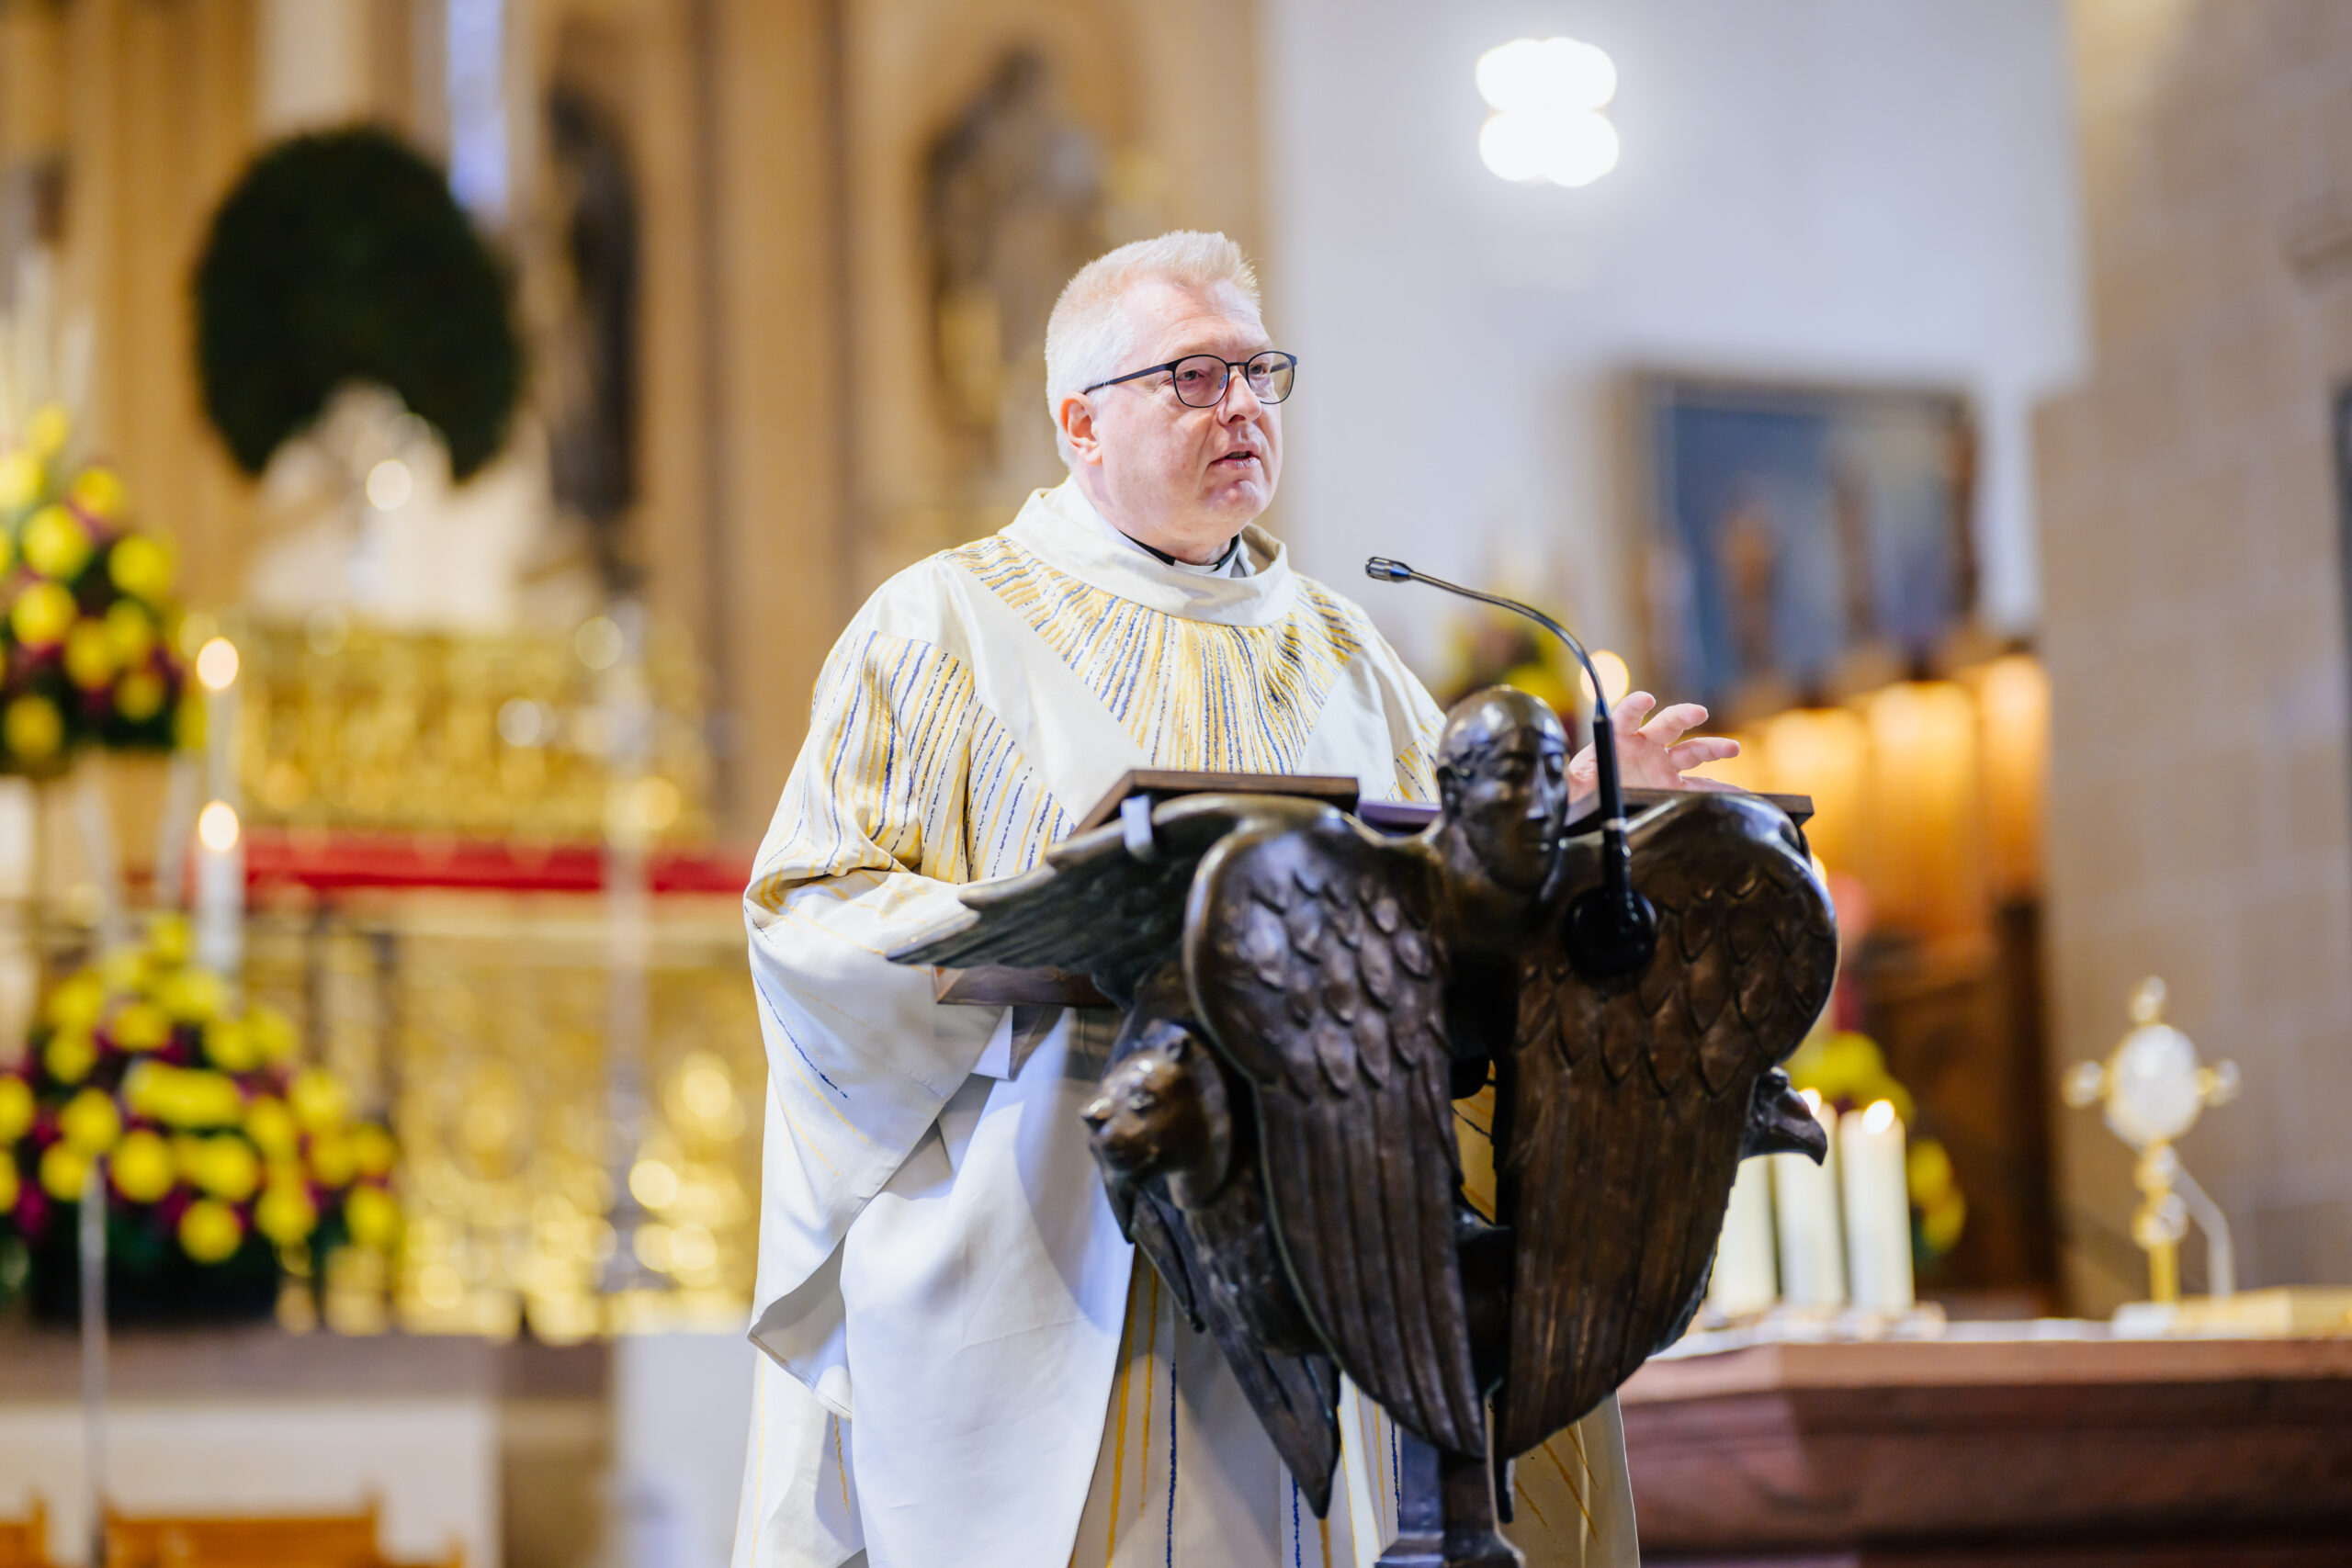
x,y
1014,205
589,363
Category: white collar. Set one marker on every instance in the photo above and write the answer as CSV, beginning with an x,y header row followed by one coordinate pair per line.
x,y
1062,527
1234,563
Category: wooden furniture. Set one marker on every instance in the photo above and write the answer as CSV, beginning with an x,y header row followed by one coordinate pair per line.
x,y
285,1541
24,1543
2087,1452
1162,783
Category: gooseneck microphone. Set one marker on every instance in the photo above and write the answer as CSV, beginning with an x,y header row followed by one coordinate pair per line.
x,y
1612,930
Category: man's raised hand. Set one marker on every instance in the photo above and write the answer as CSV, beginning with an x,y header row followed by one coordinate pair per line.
x,y
1653,754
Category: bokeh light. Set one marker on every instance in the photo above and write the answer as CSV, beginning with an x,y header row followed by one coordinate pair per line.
x,y
216,826
1547,127
389,485
215,664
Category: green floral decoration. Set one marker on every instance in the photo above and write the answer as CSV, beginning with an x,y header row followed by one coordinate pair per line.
x,y
220,1151
341,256
87,614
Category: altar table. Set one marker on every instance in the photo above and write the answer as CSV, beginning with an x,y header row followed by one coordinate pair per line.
x,y
2070,1448
254,1421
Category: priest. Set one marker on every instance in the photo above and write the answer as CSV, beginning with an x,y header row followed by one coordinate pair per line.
x,y
965,1365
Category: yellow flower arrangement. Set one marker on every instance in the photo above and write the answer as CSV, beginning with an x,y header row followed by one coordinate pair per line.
x,y
16,1109
86,655
213,1141
211,1231
142,1166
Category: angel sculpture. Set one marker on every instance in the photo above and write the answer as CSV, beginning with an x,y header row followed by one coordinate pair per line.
x,y
1305,997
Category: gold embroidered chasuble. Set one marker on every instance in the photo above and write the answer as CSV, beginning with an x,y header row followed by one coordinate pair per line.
x,y
956,1365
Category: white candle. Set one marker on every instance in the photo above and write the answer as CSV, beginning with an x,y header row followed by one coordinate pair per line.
x,y
1743,1280
1878,1208
219,890
219,836
1804,1202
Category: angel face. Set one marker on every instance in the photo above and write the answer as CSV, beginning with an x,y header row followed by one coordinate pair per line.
x,y
1502,776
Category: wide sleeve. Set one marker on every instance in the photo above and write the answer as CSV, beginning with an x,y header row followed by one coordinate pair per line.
x,y
866,842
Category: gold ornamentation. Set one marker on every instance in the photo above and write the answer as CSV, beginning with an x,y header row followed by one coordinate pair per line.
x,y
347,726
480,1021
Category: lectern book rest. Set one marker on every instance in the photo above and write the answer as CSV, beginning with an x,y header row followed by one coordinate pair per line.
x,y
1006,987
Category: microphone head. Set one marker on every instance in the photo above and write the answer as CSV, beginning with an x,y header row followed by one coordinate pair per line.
x,y
1386,571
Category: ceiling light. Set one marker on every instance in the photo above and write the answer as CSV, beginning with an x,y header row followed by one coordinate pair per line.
x,y
1548,94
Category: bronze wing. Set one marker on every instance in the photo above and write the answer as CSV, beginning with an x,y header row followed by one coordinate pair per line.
x,y
1092,906
1297,1397
1309,952
1627,1105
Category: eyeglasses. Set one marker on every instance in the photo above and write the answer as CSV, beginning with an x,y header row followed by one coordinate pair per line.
x,y
1199,380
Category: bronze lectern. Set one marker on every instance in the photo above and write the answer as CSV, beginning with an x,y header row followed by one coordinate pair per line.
x,y
1305,997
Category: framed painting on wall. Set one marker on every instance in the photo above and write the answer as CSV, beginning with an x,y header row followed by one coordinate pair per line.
x,y
1800,540
2340,437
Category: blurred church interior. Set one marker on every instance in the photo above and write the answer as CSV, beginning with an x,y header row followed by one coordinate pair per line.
x,y
1955,396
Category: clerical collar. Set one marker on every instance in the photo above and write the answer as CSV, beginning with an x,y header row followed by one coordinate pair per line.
x,y
1234,562
1232,548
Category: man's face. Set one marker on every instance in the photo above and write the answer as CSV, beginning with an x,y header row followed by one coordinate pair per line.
x,y
1182,479
1508,800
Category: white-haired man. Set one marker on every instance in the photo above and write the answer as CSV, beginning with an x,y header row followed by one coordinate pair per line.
x,y
964,1367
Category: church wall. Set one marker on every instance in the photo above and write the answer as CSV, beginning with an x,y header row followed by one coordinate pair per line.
x,y
1820,189
2200,803
776,345
158,121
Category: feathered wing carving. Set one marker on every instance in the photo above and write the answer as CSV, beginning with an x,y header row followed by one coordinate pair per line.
x,y
1310,957
1092,906
1625,1105
1297,1397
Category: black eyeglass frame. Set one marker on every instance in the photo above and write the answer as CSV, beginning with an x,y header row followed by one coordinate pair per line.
x,y
1230,366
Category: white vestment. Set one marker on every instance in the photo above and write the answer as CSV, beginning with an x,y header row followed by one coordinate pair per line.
x,y
959,1371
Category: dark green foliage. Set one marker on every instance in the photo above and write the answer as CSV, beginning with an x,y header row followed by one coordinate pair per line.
x,y
342,256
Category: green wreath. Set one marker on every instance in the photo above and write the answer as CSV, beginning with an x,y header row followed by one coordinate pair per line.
x,y
341,256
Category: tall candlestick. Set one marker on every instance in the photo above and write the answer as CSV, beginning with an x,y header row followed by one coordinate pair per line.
x,y
1804,1202
1743,1280
1878,1208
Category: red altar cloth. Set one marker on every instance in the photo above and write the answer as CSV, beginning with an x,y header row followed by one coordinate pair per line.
x,y
334,863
